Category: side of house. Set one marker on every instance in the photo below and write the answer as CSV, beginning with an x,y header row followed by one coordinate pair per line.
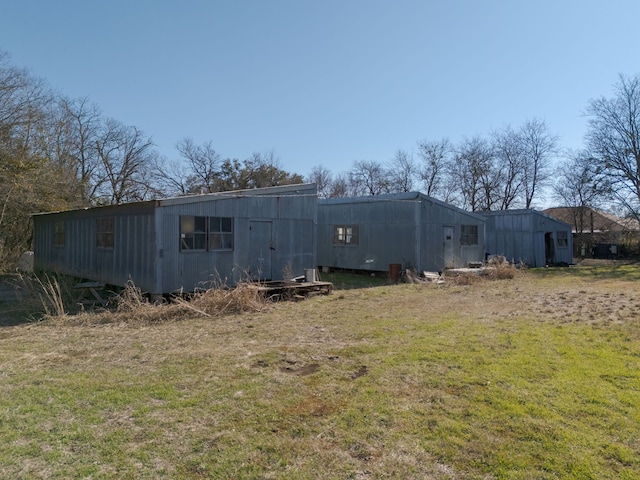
x,y
410,229
261,234
107,244
186,242
597,233
528,236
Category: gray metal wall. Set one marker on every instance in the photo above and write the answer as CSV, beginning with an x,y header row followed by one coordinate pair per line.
x,y
146,245
131,257
436,216
519,235
286,242
405,228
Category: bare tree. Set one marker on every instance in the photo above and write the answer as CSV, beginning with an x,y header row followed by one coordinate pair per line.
x,y
322,177
340,186
475,174
126,155
401,172
539,147
614,141
368,177
170,177
436,158
580,185
508,149
22,101
80,124
204,165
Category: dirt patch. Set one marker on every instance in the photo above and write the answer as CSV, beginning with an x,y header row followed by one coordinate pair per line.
x,y
362,371
304,370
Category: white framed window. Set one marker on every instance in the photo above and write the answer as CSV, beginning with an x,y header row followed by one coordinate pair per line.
x,y
201,234
220,233
193,232
345,235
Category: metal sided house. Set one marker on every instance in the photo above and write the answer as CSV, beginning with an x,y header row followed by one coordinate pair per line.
x,y
410,229
528,236
185,242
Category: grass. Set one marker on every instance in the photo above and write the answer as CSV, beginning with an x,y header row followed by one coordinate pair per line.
x,y
531,377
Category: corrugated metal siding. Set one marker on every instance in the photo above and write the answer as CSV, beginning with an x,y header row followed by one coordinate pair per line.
x,y
405,228
519,235
435,217
386,234
146,244
130,257
293,236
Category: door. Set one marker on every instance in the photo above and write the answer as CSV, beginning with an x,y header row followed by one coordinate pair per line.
x,y
260,249
549,249
448,247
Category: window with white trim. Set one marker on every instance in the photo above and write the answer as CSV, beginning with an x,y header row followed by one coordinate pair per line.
x,y
193,232
205,233
220,233
345,235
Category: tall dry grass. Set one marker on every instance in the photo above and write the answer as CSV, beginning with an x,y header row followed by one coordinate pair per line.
x,y
133,306
44,295
497,268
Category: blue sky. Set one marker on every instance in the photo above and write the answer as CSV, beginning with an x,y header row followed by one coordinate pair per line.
x,y
327,82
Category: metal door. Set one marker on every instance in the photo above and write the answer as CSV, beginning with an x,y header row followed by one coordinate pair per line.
x,y
448,256
260,249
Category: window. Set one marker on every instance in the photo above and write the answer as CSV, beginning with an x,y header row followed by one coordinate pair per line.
x,y
220,233
58,233
562,239
193,232
206,233
345,235
105,232
468,235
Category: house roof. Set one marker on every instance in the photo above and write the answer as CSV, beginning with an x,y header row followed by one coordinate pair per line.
x,y
586,219
305,189
526,211
396,197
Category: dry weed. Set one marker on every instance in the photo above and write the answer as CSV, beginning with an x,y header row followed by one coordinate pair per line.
x,y
499,268
43,293
132,306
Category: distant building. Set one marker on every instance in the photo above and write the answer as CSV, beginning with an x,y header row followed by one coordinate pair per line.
x,y
407,229
528,236
185,242
597,233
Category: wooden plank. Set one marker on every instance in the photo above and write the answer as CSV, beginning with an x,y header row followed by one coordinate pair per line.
x,y
291,289
88,293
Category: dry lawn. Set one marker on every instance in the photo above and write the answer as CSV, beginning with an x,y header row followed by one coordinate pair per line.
x,y
530,377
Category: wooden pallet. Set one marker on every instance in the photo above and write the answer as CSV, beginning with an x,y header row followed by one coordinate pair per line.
x,y
293,290
88,293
